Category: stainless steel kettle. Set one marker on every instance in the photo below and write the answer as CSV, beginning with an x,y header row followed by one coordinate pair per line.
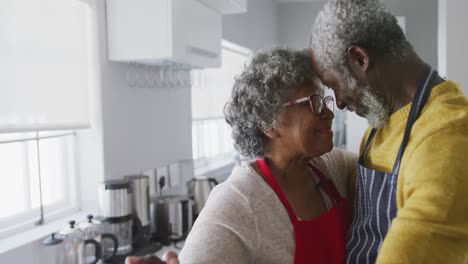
x,y
199,189
171,218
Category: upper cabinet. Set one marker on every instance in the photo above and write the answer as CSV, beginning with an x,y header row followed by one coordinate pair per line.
x,y
227,6
182,33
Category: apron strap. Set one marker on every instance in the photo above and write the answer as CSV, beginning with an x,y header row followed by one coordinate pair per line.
x,y
369,139
268,176
420,99
326,184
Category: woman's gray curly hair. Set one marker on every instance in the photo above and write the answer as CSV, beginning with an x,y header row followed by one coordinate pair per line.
x,y
366,23
259,92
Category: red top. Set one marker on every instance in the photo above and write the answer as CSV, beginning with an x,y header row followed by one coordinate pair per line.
x,y
322,239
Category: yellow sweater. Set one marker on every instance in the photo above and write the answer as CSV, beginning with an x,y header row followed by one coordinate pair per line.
x,y
431,225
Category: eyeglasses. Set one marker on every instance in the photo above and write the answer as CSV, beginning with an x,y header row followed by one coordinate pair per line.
x,y
316,103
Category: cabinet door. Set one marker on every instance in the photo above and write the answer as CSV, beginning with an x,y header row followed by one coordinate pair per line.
x,y
160,31
196,33
139,30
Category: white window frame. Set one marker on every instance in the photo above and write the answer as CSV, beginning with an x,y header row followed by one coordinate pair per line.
x,y
31,218
203,164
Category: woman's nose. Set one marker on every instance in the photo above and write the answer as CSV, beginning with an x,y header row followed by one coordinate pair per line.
x,y
327,113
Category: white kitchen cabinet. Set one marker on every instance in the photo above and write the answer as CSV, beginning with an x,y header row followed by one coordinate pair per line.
x,y
183,33
227,6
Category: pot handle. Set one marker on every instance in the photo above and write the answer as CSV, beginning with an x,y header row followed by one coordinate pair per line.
x,y
116,244
214,181
98,249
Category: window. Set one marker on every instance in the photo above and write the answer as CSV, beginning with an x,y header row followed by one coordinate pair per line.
x,y
47,69
38,178
211,89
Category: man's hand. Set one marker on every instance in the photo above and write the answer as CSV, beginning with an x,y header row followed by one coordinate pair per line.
x,y
169,257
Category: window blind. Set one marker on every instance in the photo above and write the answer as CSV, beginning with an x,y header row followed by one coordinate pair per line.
x,y
44,65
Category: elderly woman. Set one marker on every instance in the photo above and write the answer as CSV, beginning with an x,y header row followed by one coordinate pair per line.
x,y
288,204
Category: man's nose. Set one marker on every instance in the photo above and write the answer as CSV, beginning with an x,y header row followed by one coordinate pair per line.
x,y
341,105
339,101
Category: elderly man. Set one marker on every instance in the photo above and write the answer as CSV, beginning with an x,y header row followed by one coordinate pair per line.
x,y
411,197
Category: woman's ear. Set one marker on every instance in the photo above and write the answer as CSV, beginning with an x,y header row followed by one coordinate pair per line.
x,y
358,60
271,133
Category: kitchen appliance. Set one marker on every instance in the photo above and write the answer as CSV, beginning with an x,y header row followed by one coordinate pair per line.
x,y
115,198
121,228
171,218
199,189
115,206
139,185
93,229
140,203
73,245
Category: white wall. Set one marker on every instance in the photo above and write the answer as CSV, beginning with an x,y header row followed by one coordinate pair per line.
x,y
421,25
453,40
255,29
295,22
355,128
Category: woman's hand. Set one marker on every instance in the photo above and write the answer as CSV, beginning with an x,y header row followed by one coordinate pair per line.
x,y
169,257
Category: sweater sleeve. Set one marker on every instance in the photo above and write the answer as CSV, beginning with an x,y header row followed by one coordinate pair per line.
x,y
431,225
224,232
350,159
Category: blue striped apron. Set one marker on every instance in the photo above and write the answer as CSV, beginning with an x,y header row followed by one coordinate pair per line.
x,y
375,203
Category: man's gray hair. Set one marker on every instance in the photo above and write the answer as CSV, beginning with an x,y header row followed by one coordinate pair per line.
x,y
259,93
366,23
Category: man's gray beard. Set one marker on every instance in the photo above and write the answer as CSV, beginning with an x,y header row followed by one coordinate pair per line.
x,y
368,104
377,115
